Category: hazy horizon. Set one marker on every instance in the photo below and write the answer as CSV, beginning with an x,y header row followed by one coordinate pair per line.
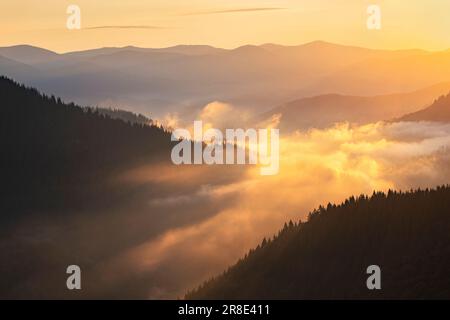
x,y
318,41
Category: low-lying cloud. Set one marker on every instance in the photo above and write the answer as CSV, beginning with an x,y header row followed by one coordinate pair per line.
x,y
316,167
181,225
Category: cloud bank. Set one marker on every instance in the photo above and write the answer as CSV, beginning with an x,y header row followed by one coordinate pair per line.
x,y
181,225
316,167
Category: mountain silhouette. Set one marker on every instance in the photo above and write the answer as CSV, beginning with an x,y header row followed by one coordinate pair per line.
x,y
326,257
325,110
439,111
124,115
185,78
28,54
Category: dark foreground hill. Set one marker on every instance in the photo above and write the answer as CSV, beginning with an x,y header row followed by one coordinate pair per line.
x,y
406,234
79,187
58,155
58,163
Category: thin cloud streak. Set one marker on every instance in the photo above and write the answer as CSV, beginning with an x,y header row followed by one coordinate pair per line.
x,y
124,27
233,11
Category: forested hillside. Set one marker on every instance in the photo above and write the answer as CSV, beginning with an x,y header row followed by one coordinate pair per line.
x,y
127,116
56,154
406,234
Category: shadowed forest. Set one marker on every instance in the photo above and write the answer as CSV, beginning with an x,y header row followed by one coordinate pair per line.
x,y
406,234
85,185
57,155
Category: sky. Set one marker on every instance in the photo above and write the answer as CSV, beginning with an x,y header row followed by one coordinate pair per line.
x,y
224,23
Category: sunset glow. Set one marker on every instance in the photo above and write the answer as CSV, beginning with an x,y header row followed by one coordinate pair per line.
x,y
224,23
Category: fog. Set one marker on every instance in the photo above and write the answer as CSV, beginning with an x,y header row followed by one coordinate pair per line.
x,y
177,226
316,167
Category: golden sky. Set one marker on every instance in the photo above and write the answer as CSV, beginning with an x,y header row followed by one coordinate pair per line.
x,y
224,23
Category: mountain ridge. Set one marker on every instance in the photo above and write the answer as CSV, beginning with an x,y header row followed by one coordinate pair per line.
x,y
325,110
183,79
314,43
439,111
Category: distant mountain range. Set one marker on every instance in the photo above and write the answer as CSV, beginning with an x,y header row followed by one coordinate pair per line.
x,y
184,78
405,234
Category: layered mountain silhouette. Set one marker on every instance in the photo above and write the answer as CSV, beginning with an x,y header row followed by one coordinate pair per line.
x,y
9,67
185,78
89,184
326,257
29,55
325,110
439,111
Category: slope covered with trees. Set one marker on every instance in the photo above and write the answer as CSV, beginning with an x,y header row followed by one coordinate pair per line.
x,y
405,234
127,116
79,187
56,154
